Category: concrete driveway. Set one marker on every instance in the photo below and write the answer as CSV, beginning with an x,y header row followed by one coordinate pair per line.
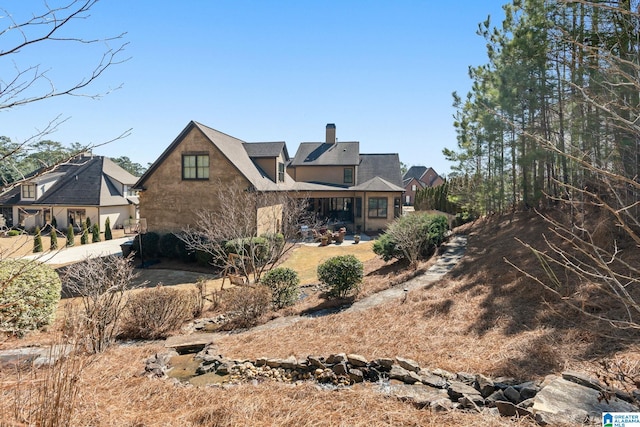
x,y
78,253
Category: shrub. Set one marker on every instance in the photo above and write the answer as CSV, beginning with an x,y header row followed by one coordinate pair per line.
x,y
54,239
88,221
29,294
250,247
71,238
54,222
84,238
168,246
37,241
385,247
149,244
283,283
247,304
13,233
154,313
107,229
342,274
95,233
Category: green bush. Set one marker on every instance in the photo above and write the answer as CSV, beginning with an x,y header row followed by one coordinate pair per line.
x,y
107,229
54,222
169,246
84,238
256,247
203,258
155,313
283,283
37,241
95,233
54,239
29,294
71,238
342,274
385,247
149,244
13,233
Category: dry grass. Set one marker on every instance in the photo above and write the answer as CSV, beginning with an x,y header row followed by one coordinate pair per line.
x,y
483,317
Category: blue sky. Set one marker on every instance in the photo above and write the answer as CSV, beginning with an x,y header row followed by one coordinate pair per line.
x,y
382,71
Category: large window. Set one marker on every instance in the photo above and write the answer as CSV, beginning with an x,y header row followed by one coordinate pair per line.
x,y
377,207
76,217
280,172
195,166
28,191
348,176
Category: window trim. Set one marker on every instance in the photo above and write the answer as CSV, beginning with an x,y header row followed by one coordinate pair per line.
x,y
197,168
25,194
344,176
377,208
280,172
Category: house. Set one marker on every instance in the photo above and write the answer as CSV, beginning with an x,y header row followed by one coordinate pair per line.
x,y
417,178
344,187
84,187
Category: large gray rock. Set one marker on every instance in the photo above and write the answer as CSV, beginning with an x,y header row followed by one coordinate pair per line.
x,y
192,343
357,360
582,379
429,379
408,364
419,394
565,401
458,389
401,374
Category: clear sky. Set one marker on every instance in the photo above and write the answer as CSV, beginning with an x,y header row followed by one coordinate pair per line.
x,y
382,71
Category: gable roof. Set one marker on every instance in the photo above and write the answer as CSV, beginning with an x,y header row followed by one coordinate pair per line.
x,y
415,172
386,166
376,184
323,154
82,181
266,149
230,147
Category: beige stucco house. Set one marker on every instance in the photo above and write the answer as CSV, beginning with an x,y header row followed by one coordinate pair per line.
x,y
362,192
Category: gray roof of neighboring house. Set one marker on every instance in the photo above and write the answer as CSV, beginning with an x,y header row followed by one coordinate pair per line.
x,y
376,184
415,172
406,182
323,154
233,149
83,181
266,149
386,166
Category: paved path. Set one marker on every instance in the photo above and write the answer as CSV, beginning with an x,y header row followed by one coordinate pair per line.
x,y
453,250
82,252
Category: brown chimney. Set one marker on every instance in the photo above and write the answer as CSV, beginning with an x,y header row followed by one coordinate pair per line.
x,y
331,133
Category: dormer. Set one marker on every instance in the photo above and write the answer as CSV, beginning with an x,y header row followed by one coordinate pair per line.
x,y
270,157
28,191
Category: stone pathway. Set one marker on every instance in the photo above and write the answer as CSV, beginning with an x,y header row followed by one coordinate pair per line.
x,y
453,250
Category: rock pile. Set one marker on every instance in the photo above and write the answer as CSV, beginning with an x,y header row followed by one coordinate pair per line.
x,y
570,398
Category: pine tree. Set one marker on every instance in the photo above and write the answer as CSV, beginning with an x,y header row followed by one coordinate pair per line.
x,y
54,239
37,241
107,229
71,238
96,234
88,223
54,223
84,239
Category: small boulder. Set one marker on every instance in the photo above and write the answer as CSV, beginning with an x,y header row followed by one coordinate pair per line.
x,y
408,364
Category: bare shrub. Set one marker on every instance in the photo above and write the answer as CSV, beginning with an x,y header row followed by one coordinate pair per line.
x,y
101,284
247,304
154,313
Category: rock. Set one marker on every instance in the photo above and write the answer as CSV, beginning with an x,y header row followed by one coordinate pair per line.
x,y
262,361
355,375
444,374
508,409
431,380
496,396
528,392
466,377
339,368
408,364
399,373
357,360
471,401
336,358
193,343
442,405
420,395
289,363
316,361
458,389
566,401
223,369
383,363
512,394
582,379
484,385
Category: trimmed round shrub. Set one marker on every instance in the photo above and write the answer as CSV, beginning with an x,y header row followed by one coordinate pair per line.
x,y
283,283
149,244
29,295
169,246
342,274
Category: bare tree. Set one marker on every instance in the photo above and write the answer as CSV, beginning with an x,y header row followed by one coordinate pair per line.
x,y
101,283
257,227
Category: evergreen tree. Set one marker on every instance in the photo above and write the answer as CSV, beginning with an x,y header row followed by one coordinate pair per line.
x,y
84,238
107,229
88,223
54,222
96,234
54,239
71,238
37,241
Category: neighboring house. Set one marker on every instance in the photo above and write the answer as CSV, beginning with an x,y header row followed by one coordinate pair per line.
x,y
84,187
417,178
360,191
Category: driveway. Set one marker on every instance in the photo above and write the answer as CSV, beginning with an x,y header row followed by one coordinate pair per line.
x,y
73,254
